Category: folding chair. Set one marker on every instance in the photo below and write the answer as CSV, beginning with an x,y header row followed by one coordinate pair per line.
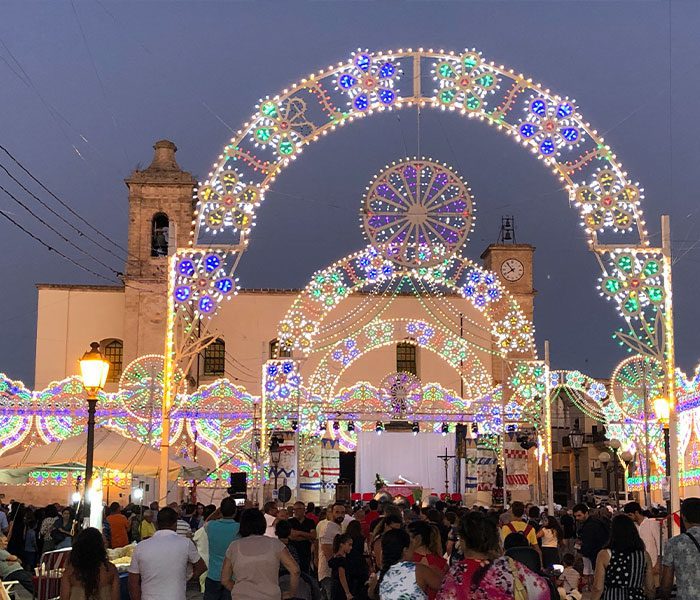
x,y
47,584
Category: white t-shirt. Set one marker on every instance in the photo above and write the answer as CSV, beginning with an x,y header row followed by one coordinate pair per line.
x,y
162,562
330,530
270,522
650,531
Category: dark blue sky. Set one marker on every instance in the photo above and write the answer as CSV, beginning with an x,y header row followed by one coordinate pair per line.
x,y
110,78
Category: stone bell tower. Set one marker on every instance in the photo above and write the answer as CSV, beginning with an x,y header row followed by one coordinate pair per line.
x,y
160,220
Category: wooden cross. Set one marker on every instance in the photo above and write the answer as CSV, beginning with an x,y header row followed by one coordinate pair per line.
x,y
446,459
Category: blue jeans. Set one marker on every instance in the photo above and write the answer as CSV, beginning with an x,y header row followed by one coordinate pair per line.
x,y
213,590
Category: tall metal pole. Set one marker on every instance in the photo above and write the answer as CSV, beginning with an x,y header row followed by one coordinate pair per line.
x,y
672,466
548,433
89,451
647,455
168,391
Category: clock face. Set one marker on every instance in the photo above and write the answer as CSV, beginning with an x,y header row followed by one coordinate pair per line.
x,y
512,269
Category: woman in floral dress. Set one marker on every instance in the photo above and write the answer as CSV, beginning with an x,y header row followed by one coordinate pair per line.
x,y
484,574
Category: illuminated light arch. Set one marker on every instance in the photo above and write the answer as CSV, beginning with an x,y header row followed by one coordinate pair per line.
x,y
587,394
379,333
548,125
510,327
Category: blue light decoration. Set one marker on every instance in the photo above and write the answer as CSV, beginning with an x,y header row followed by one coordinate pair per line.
x,y
361,102
387,70
224,285
551,125
547,147
539,107
182,293
346,81
186,267
363,62
212,262
206,304
527,130
386,96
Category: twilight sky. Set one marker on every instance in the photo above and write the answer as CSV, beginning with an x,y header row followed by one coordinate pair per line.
x,y
87,87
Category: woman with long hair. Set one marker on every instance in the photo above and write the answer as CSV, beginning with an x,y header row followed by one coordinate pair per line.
x,y
62,531
387,523
426,548
623,570
399,578
50,516
484,573
89,574
552,536
358,569
340,586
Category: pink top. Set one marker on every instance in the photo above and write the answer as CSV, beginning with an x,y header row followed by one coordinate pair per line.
x,y
497,584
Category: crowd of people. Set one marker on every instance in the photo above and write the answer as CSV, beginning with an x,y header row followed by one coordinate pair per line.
x,y
375,551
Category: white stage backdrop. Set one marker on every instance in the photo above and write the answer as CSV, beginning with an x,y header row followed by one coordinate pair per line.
x,y
414,457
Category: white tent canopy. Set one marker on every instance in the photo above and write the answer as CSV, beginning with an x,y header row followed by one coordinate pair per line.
x,y
112,451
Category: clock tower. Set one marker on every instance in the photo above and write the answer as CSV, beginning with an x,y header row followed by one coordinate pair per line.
x,y
513,264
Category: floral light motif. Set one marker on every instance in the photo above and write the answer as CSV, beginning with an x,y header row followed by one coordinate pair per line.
x,y
328,288
281,379
464,82
635,283
296,331
201,281
607,201
282,125
529,380
401,393
597,391
453,352
550,125
379,332
227,202
482,287
374,265
345,352
369,82
421,331
513,331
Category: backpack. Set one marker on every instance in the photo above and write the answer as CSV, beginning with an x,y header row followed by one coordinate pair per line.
x,y
525,532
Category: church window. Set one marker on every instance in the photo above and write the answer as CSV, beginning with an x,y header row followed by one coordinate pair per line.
x,y
160,226
215,358
406,358
113,351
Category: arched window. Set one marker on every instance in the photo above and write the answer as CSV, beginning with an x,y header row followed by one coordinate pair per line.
x,y
277,351
113,351
215,358
406,358
160,226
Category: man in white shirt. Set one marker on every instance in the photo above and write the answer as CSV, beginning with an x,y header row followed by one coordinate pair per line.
x,y
649,530
326,535
270,509
159,565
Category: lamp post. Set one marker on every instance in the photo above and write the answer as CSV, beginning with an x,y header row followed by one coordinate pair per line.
x,y
627,458
94,369
662,410
614,445
576,437
275,455
604,458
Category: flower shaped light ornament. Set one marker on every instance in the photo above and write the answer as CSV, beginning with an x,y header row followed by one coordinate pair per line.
x,y
328,288
281,379
227,202
597,391
379,333
374,266
635,283
369,82
481,288
550,125
608,201
464,82
529,380
453,352
576,380
513,331
420,331
282,126
297,331
201,282
345,352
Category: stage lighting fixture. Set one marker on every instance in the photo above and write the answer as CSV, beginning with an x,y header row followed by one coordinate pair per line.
x,y
295,425
445,429
379,428
336,425
351,426
322,426
416,428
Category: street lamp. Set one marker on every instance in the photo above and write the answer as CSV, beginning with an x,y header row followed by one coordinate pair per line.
x,y
662,410
627,458
94,369
576,437
275,455
614,445
604,458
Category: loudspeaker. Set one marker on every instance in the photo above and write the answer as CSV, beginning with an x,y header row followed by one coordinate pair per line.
x,y
239,483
